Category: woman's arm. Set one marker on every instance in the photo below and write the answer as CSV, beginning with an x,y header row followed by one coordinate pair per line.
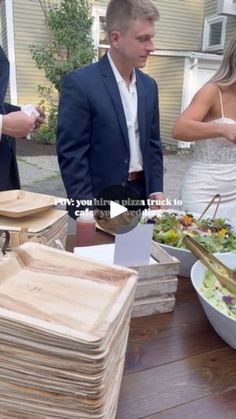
x,y
190,126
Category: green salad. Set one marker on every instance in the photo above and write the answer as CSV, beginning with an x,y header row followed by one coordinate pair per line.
x,y
215,235
218,296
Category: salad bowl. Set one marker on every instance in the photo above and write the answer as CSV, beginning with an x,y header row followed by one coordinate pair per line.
x,y
221,318
185,257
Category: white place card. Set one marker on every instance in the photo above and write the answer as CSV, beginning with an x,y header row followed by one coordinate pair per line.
x,y
134,248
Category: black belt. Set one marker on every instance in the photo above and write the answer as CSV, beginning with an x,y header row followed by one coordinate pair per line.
x,y
135,175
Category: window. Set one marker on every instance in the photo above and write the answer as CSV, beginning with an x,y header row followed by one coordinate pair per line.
x,y
214,33
226,7
100,37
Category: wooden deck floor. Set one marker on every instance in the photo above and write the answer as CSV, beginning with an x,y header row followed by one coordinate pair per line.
x,y
177,367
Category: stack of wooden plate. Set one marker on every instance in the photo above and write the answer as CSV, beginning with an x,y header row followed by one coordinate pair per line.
x,y
18,203
52,224
32,212
64,324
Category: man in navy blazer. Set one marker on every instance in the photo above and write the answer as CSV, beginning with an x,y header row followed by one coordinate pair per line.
x,y
108,124
9,176
13,122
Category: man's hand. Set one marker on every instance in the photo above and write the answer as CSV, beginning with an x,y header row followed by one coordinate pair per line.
x,y
157,201
18,124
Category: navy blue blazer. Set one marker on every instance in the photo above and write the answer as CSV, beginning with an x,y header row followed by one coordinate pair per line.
x,y
92,137
9,176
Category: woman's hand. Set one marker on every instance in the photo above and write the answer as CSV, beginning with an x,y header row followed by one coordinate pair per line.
x,y
158,201
229,132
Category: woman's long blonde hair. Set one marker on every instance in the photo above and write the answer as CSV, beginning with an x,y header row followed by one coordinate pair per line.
x,y
226,73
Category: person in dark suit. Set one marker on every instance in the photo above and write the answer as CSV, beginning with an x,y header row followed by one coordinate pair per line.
x,y
12,122
9,178
108,123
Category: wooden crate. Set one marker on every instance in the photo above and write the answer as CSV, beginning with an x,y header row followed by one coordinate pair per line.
x,y
157,284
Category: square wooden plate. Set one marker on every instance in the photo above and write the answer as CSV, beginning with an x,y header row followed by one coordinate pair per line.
x,y
59,294
18,203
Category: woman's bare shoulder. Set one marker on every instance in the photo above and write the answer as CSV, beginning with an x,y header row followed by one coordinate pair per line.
x,y
209,89
203,103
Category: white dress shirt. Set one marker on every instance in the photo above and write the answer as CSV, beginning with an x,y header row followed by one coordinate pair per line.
x,y
129,100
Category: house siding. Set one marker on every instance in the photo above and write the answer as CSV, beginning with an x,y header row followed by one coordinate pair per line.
x,y
29,29
3,26
185,19
210,8
231,28
168,73
178,28
3,29
99,3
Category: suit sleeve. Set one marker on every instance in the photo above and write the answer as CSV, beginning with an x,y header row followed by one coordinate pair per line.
x,y
10,108
74,140
0,127
6,108
156,156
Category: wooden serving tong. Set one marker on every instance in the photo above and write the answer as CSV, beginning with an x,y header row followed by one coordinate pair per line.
x,y
225,275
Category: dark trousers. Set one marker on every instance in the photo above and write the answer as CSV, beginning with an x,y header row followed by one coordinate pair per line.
x,y
9,176
137,191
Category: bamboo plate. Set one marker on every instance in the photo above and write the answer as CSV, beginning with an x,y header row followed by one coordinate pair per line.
x,y
34,223
17,203
58,293
50,400
59,378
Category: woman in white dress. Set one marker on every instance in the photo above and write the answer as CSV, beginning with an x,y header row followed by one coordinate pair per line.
x,y
210,121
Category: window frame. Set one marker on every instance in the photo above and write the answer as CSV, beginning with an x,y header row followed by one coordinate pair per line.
x,y
97,12
210,20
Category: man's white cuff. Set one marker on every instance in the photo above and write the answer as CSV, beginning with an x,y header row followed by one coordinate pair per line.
x,y
155,193
29,109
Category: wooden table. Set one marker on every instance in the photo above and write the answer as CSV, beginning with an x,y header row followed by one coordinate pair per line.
x,y
176,365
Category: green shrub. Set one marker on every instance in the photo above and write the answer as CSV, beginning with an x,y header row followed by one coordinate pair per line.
x,y
69,47
46,134
69,44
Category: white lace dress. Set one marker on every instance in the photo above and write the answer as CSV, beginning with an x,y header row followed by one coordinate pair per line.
x,y
213,171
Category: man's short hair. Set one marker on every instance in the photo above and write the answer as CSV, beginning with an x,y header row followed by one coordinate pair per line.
x,y
121,12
